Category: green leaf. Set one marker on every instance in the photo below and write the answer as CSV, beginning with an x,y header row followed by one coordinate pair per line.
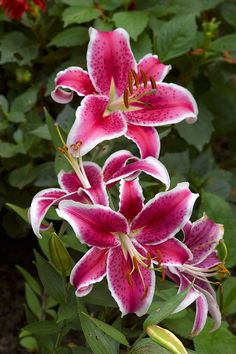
x,y
32,301
31,281
16,47
29,343
108,329
199,133
70,37
167,308
79,14
8,150
110,4
22,176
23,213
102,25
51,280
176,37
52,129
133,21
98,341
148,346
71,241
26,101
142,46
41,132
41,328
16,117
209,4
225,43
229,298
218,342
4,104
220,211
46,175
229,13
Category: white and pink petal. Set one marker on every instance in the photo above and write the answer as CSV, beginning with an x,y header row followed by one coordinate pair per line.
x,y
146,138
114,163
92,125
90,269
169,105
169,253
109,59
73,79
164,215
202,237
152,67
134,167
41,202
94,225
131,198
132,292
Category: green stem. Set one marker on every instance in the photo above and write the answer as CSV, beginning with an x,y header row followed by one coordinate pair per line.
x,y
142,335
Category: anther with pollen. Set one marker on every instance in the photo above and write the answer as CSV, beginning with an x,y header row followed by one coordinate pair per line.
x,y
76,146
153,83
130,82
136,78
144,78
126,98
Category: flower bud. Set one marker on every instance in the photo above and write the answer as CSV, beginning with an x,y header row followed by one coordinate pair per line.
x,y
166,339
59,254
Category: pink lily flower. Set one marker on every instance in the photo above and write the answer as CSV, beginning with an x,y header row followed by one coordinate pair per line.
x,y
201,238
88,183
121,241
122,97
86,187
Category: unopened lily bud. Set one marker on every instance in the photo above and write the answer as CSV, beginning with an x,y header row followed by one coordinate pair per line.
x,y
166,339
59,254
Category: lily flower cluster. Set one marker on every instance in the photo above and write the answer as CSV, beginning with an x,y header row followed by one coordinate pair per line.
x,y
128,245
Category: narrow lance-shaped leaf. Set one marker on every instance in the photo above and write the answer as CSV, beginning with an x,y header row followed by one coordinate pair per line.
x,y
108,329
166,310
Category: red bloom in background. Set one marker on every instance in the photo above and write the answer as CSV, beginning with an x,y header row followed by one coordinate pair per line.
x,y
16,8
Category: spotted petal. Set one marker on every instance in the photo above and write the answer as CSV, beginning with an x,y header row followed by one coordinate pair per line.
x,y
171,252
170,104
114,163
73,79
146,138
134,292
134,166
201,315
94,225
202,237
131,198
92,126
152,67
109,58
42,201
164,215
89,270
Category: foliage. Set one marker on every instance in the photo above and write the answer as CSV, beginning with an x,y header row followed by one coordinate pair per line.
x,y
198,39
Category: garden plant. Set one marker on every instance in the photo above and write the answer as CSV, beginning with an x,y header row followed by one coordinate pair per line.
x,y
118,179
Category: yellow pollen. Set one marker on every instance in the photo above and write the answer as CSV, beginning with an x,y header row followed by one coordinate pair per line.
x,y
223,270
